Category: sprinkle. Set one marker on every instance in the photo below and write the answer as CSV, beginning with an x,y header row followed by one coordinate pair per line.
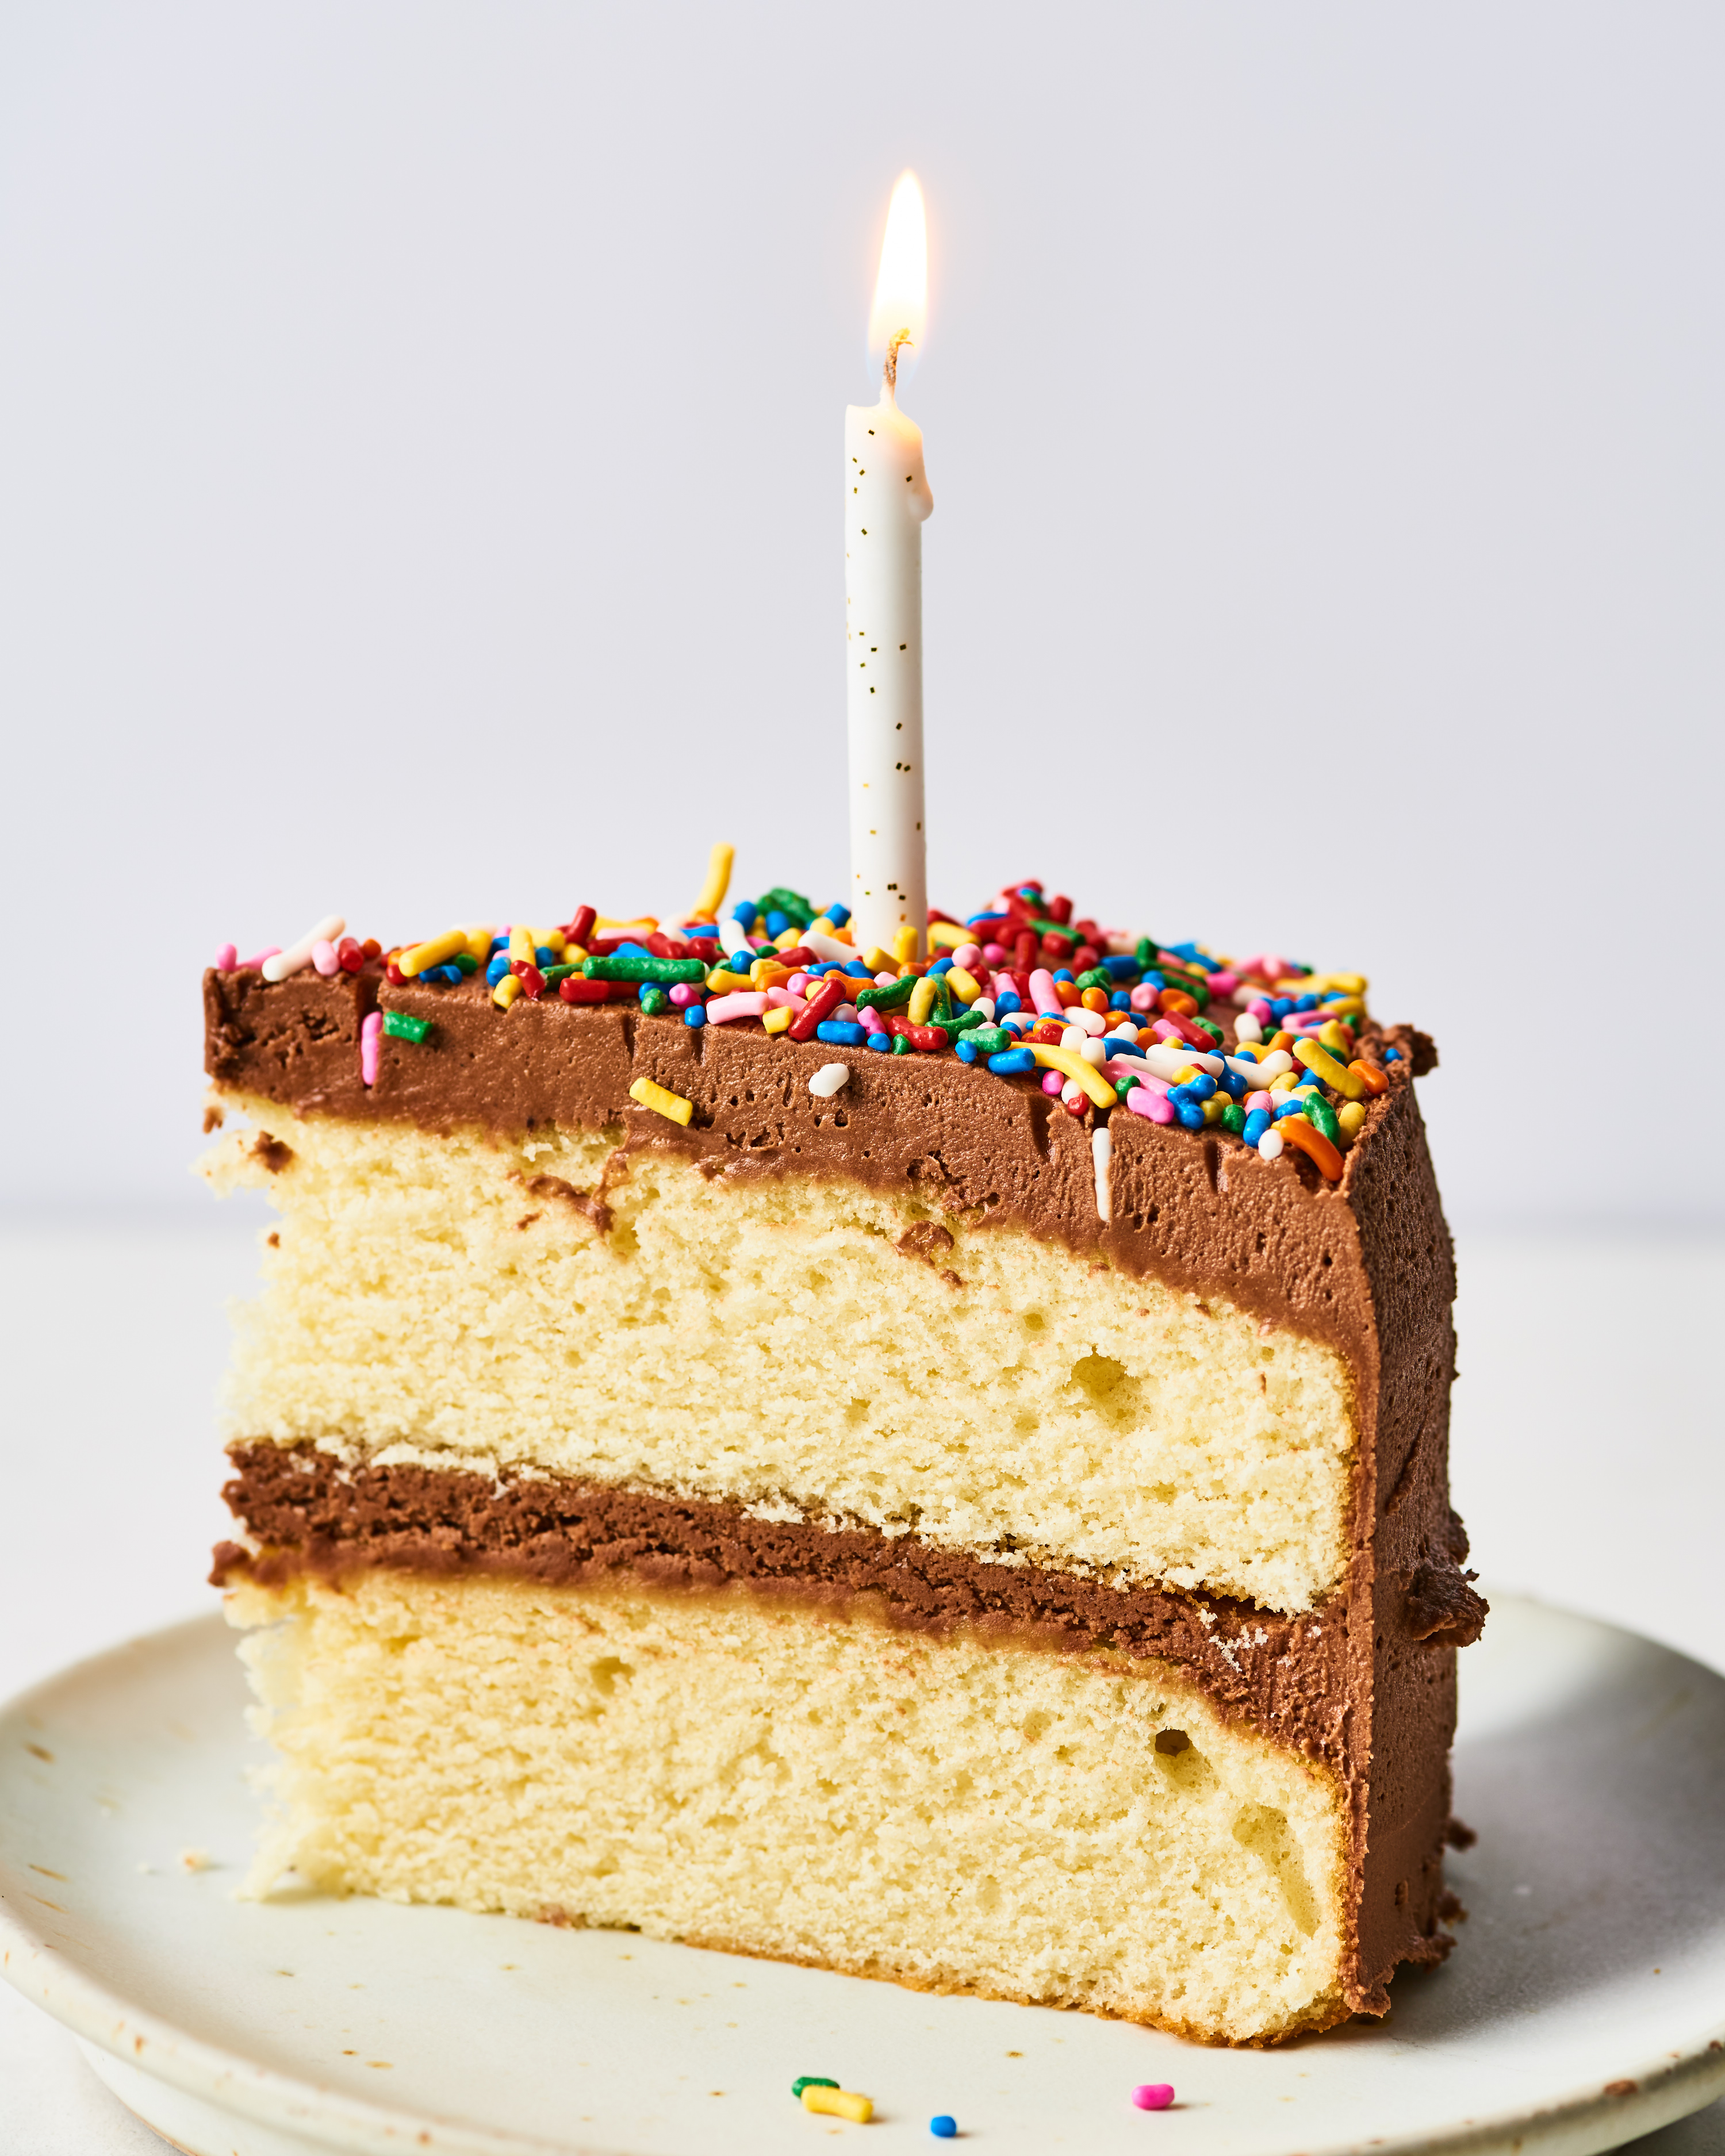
x,y
1102,1151
1154,1106
324,960
837,2102
642,966
1154,2095
717,883
779,1018
279,964
829,1078
1374,1080
723,1008
403,1025
1324,1066
227,959
943,2126
415,960
671,1105
371,1035
841,1033
811,2081
1071,1065
1043,997
1012,1062
904,941
508,987
820,1006
1296,1130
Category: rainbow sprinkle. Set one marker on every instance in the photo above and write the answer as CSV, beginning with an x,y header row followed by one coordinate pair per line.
x,y
1099,1019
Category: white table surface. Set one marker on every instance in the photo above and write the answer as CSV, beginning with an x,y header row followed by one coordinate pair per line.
x,y
1586,1461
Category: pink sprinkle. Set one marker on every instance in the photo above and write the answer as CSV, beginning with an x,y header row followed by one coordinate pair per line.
x,y
969,956
722,1009
255,965
371,1036
1143,996
1042,990
324,958
1144,1100
1224,983
884,980
227,959
682,994
783,1000
1155,2095
872,1019
1052,1081
1261,1010
1254,1101
798,983
995,954
1165,1029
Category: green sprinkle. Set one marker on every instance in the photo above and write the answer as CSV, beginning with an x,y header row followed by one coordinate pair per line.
x,y
629,966
402,1025
464,962
1122,1086
900,1046
1098,977
886,999
810,2081
1145,953
1234,1118
553,974
655,1002
992,1040
1322,1117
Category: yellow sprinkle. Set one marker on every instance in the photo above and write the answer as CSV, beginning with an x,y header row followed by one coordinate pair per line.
x,y
1072,1064
1349,1006
646,923
574,953
1351,1116
779,1021
1214,1106
433,953
788,939
725,982
505,991
881,962
478,935
1283,1082
821,925
838,2104
965,986
672,1106
553,940
921,1001
1186,1073
1332,1036
1323,1065
905,942
521,945
718,882
947,935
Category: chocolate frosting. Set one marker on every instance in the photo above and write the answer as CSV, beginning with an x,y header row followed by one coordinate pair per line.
x,y
1364,1264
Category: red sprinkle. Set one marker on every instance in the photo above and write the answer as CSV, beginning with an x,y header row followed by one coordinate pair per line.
x,y
581,927
577,988
821,1004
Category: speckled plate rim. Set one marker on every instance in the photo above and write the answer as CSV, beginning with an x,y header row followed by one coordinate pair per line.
x,y
148,2047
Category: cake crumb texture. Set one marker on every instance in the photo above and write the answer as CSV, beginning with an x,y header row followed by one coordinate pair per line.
x,y
548,1302
1069,1829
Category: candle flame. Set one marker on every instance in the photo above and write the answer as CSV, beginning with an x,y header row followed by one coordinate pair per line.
x,y
899,315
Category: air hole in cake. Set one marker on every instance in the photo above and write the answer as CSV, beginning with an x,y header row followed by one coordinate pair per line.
x,y
605,1673
1264,1832
1172,1742
1191,1773
1033,1321
1035,1725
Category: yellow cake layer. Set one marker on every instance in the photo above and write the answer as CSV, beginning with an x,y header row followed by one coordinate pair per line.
x,y
766,1342
949,1813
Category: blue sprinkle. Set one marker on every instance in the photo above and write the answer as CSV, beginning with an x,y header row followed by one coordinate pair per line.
x,y
1191,953
1007,1001
1233,1085
838,915
745,912
1289,1108
1011,1061
739,962
1153,980
942,965
1392,1056
1199,1088
1122,969
499,942
856,970
449,975
943,2126
1119,1000
777,923
1116,1047
695,1014
841,1033
882,1039
1257,1121
1190,1114
497,968
966,1051
1066,973
1306,1002
545,957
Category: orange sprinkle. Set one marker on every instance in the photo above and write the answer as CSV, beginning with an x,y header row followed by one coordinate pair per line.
x,y
1295,1129
1370,1077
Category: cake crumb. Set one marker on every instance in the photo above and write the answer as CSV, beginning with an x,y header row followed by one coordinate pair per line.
x,y
195,1860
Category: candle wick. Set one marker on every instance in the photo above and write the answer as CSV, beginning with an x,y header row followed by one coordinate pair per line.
x,y
889,371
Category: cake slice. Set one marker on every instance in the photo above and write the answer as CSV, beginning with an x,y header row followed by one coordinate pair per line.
x,y
847,1503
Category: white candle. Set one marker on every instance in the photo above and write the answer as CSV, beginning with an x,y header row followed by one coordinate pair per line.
x,y
886,499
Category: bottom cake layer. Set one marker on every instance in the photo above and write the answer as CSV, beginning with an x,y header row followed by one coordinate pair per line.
x,y
1070,1829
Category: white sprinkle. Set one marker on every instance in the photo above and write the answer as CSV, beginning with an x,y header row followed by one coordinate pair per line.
x,y
1270,1145
1101,1152
297,957
828,1080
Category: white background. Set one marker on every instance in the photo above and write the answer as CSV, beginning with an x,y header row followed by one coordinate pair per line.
x,y
419,493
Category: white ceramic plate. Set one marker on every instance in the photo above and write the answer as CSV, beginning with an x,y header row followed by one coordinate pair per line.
x,y
1584,2004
